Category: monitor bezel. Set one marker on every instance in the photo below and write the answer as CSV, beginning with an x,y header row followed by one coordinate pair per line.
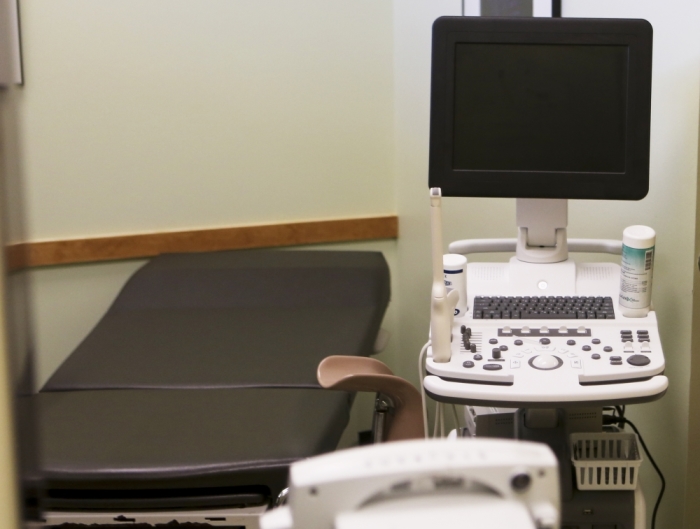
x,y
633,184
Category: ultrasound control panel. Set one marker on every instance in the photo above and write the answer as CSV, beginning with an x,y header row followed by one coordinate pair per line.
x,y
550,334
548,363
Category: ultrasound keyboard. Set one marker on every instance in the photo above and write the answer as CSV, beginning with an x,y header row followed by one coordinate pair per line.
x,y
543,308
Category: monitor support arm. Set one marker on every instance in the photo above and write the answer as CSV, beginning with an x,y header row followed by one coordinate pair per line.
x,y
541,230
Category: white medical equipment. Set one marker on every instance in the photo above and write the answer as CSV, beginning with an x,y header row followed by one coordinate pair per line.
x,y
446,483
545,110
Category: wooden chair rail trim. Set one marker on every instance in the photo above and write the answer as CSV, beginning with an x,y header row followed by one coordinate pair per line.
x,y
72,251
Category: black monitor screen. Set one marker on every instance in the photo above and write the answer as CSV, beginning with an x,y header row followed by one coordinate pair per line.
x,y
540,107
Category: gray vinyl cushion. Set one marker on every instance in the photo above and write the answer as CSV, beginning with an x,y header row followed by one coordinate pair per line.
x,y
232,319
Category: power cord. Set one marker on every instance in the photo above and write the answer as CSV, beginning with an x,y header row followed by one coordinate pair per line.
x,y
620,418
422,389
458,428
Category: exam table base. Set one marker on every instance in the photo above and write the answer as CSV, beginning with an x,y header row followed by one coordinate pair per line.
x,y
241,518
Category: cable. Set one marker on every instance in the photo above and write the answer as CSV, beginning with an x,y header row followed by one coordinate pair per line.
x,y
422,389
436,422
656,467
442,420
456,417
621,419
424,404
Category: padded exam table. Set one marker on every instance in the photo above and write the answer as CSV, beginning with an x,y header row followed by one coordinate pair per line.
x,y
191,397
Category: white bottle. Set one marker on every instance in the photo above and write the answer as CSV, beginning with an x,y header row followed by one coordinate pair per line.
x,y
636,270
454,267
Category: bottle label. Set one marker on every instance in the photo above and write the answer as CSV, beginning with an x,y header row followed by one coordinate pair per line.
x,y
455,280
637,266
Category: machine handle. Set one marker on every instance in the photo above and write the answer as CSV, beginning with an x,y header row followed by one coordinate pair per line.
x,y
471,246
605,393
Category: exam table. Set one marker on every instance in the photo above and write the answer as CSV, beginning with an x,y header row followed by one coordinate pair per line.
x,y
191,397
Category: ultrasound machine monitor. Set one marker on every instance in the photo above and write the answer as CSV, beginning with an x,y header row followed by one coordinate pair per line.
x,y
540,108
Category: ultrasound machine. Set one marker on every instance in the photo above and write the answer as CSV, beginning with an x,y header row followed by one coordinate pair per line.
x,y
545,110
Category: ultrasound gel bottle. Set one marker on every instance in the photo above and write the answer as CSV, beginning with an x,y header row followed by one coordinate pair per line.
x,y
636,270
454,267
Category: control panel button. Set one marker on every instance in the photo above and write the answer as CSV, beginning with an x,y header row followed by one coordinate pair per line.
x,y
615,358
503,347
595,356
646,348
514,364
629,348
638,360
576,363
478,357
493,341
493,367
518,342
570,342
545,341
595,341
518,355
496,352
586,347
607,349
468,363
